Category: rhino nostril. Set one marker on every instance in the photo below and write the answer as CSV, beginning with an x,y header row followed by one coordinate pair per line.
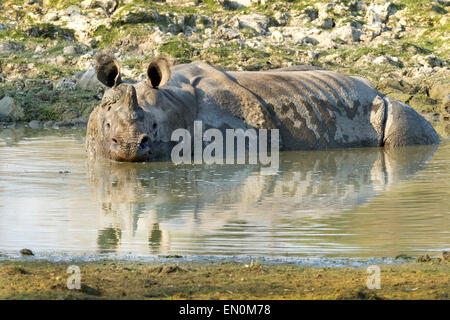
x,y
114,140
144,142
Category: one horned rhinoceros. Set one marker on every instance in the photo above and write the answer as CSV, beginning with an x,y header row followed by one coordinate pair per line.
x,y
311,107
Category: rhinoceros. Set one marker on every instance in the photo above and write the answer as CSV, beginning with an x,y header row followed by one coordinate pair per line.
x,y
312,108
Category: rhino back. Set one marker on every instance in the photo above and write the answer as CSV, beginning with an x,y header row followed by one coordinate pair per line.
x,y
316,109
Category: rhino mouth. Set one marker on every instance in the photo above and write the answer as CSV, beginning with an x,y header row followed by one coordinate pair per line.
x,y
138,151
143,156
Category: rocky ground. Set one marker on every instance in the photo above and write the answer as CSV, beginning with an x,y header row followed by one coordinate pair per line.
x,y
47,46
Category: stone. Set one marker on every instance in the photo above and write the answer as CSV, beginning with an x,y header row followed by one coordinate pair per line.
x,y
381,60
281,18
51,16
10,109
311,13
34,124
313,55
10,46
304,41
327,23
66,84
328,43
445,256
208,43
227,34
446,103
237,4
88,80
434,61
49,124
325,9
84,61
26,252
380,13
70,50
439,91
425,258
277,36
39,49
384,60
255,22
347,33
403,256
429,61
92,42
83,26
60,60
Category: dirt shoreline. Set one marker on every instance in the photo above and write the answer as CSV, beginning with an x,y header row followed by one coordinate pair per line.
x,y
110,279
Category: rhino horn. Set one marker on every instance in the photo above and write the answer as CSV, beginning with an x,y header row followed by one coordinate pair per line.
x,y
130,101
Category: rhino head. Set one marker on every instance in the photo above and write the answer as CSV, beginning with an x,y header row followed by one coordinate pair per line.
x,y
124,127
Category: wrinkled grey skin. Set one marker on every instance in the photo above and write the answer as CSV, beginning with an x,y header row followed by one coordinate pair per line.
x,y
312,108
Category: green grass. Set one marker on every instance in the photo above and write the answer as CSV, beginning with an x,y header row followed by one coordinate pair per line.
x,y
42,102
179,49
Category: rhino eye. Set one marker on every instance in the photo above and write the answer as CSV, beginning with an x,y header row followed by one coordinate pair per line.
x,y
108,125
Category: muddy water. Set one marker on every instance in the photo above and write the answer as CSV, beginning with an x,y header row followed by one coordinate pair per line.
x,y
346,203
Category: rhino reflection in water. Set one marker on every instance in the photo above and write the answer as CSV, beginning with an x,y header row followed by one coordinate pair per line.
x,y
312,108
161,203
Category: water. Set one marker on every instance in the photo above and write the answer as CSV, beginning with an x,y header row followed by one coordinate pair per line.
x,y
342,203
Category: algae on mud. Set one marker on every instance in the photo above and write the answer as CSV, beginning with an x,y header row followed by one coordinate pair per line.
x,y
37,279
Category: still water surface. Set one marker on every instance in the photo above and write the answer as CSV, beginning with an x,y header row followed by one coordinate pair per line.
x,y
342,203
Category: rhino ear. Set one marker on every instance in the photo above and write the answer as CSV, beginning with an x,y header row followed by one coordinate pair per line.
x,y
107,69
158,72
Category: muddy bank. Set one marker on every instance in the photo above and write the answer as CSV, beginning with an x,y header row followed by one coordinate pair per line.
x,y
108,279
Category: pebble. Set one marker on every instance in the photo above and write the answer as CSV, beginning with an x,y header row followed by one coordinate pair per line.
x,y
70,50
35,124
26,252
